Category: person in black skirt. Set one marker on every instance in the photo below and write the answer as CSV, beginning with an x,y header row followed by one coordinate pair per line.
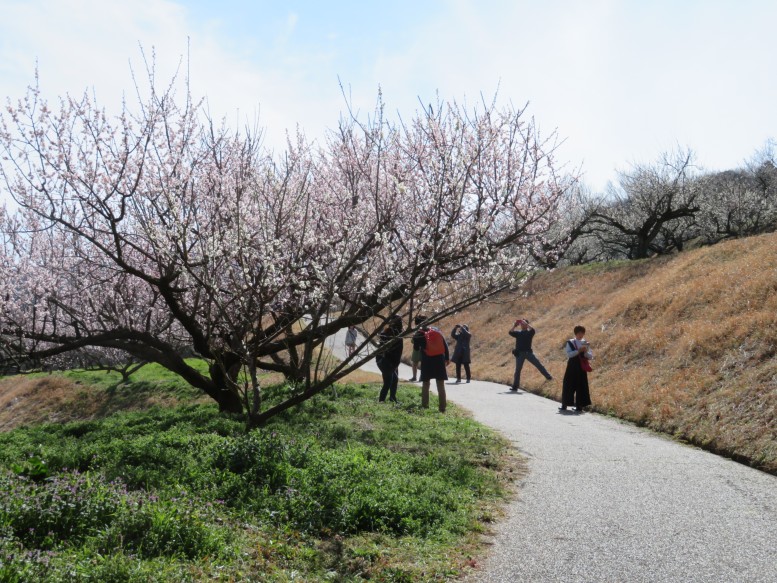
x,y
575,387
461,354
434,358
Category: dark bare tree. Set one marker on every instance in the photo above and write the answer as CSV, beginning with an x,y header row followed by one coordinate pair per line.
x,y
646,200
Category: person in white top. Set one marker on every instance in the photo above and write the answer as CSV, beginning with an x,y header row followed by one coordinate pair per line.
x,y
350,340
575,389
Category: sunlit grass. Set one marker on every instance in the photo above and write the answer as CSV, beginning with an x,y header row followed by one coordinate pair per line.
x,y
341,488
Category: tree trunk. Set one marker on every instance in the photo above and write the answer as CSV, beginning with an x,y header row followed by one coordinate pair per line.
x,y
642,247
229,401
228,398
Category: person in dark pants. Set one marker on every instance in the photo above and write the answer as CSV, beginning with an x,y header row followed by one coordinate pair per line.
x,y
415,357
575,390
388,362
461,354
523,352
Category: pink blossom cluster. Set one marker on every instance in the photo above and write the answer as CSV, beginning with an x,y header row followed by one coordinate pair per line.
x,y
153,231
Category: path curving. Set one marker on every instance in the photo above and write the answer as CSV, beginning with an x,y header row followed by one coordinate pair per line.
x,y
604,501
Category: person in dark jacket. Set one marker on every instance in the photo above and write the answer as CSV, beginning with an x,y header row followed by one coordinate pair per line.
x,y
461,354
524,352
388,361
574,390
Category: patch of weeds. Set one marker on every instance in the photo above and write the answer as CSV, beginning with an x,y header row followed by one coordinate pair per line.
x,y
342,488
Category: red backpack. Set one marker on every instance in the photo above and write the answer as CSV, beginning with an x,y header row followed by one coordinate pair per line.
x,y
435,343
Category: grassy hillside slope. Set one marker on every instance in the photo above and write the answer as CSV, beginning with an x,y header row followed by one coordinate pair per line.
x,y
684,344
343,488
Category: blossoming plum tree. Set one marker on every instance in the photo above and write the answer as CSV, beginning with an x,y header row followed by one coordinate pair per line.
x,y
161,233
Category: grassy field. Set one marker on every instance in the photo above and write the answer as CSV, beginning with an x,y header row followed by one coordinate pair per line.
x,y
158,486
684,344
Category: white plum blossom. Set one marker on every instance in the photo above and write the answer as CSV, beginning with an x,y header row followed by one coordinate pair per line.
x,y
162,233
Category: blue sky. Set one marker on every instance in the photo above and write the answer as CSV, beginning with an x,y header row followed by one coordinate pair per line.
x,y
621,80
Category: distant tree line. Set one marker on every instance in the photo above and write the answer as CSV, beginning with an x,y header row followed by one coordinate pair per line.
x,y
663,207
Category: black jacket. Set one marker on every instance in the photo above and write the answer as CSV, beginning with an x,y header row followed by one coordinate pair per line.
x,y
523,339
393,356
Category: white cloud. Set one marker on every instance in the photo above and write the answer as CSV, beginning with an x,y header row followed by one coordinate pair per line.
x,y
81,44
89,44
622,81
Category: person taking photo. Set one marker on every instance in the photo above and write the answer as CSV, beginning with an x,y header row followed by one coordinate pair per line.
x,y
524,334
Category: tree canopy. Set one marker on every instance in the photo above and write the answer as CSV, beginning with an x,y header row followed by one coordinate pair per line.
x,y
161,233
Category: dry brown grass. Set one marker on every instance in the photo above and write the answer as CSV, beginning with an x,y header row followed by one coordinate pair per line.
x,y
56,399
684,344
30,400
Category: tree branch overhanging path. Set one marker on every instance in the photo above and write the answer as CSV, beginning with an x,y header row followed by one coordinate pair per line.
x,y
160,234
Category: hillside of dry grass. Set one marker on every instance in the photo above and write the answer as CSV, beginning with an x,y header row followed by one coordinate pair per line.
x,y
86,395
684,344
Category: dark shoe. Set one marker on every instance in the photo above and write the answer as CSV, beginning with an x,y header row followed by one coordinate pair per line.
x,y
458,381
467,380
411,380
514,389
578,410
562,408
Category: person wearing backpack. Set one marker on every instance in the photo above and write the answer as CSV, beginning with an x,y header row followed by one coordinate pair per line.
x,y
434,358
388,361
524,352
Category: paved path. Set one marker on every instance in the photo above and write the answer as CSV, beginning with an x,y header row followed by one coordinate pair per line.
x,y
604,501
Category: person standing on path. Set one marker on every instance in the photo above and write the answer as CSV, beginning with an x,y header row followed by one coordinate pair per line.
x,y
461,354
575,390
350,340
434,358
524,352
388,362
415,356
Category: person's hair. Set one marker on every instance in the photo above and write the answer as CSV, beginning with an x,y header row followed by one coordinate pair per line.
x,y
394,324
579,329
419,320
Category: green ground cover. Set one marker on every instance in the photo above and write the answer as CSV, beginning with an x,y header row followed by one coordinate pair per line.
x,y
340,489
